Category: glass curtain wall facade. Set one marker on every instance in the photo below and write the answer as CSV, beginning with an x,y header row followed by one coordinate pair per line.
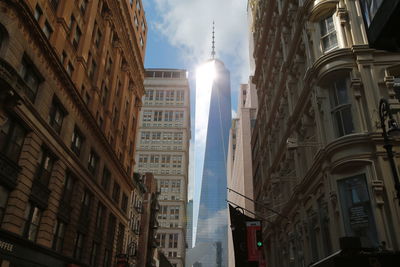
x,y
212,218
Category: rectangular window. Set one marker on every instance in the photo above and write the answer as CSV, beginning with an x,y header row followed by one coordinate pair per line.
x,y
180,95
120,238
159,95
38,12
47,30
54,4
31,78
83,6
341,107
111,231
98,38
85,206
168,115
124,203
147,115
105,180
149,95
68,188
357,212
157,116
70,68
100,217
77,141
92,69
107,257
56,115
58,236
45,166
93,162
78,245
77,37
93,254
3,201
328,34
116,192
32,220
12,137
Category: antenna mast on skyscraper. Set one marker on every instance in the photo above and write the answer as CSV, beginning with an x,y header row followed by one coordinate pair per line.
x,y
213,42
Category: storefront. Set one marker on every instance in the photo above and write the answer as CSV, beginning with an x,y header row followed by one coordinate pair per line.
x,y
18,252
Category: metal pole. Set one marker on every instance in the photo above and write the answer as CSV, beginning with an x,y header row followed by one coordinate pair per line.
x,y
384,112
257,202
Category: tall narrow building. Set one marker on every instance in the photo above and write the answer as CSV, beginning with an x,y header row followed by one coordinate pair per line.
x,y
213,121
163,149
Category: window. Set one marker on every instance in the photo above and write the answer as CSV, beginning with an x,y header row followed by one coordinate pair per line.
x,y
147,114
111,231
71,22
83,6
124,203
77,141
31,78
107,257
78,245
3,201
56,115
179,116
180,95
120,238
68,188
104,94
116,191
356,208
105,180
85,207
47,30
138,5
100,217
38,12
70,68
328,34
92,69
93,254
45,166
54,4
158,115
77,37
58,236
159,95
12,136
32,220
97,38
168,115
93,162
341,108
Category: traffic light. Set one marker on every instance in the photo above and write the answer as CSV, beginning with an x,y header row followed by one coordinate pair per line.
x,y
259,241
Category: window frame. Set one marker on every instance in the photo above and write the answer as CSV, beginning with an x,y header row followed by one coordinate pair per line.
x,y
330,32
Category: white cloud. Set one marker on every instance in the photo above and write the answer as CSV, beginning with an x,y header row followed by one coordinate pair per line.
x,y
187,24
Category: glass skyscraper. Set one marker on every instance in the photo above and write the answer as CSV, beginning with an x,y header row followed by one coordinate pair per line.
x,y
211,235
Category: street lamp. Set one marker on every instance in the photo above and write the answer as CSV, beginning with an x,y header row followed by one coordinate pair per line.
x,y
386,113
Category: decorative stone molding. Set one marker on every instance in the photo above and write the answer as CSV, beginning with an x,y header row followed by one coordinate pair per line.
x,y
378,190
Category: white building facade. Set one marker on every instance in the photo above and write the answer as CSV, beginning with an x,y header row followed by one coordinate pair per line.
x,y
163,149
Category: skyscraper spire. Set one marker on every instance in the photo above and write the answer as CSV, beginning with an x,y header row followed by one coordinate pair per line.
x,y
213,42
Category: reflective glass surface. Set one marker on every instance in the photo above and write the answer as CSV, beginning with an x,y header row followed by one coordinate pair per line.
x,y
212,220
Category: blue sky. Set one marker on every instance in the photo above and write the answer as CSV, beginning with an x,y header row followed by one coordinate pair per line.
x,y
180,36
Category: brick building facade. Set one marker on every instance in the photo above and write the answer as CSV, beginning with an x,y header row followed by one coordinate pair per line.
x,y
71,75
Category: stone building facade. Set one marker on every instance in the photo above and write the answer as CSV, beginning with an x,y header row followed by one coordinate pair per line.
x,y
163,149
71,75
318,156
239,162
